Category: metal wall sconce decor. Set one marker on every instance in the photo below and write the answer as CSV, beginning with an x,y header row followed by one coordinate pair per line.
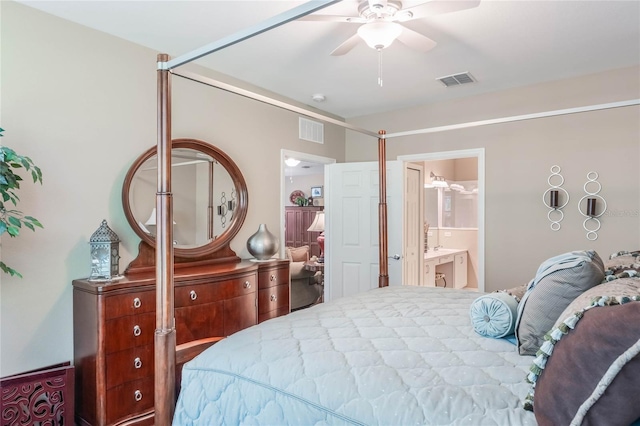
x,y
592,206
226,207
555,213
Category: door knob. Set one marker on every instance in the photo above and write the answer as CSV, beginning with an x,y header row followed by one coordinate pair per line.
x,y
395,257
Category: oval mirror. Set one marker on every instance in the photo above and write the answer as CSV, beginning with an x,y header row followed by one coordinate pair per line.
x,y
209,197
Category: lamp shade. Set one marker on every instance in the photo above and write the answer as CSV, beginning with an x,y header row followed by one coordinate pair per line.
x,y
379,34
318,223
152,218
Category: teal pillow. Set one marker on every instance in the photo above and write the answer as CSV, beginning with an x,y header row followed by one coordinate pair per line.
x,y
494,315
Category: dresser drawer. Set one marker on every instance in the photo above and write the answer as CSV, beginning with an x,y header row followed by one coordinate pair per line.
x,y
130,364
128,332
240,286
273,277
195,294
240,313
129,399
199,322
445,259
129,304
270,299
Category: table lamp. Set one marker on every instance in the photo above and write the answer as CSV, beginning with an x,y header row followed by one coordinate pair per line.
x,y
318,226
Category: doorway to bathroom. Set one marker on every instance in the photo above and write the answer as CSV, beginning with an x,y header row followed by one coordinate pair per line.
x,y
453,229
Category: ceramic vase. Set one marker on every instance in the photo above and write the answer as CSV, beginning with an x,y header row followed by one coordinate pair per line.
x,y
263,244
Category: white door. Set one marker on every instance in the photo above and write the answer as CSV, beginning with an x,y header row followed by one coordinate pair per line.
x,y
413,224
351,227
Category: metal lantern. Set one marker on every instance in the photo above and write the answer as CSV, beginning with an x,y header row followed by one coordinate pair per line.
x,y
105,253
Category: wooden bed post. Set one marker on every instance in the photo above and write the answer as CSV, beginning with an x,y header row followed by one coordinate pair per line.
x,y
383,279
165,335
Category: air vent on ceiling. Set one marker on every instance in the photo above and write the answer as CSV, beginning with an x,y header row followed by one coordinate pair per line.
x,y
456,79
310,130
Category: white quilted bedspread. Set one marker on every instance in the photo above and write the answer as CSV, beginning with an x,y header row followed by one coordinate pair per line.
x,y
390,356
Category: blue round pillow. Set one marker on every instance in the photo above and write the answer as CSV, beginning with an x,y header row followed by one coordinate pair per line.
x,y
494,315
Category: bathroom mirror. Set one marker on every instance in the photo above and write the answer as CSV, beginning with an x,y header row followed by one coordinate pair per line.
x,y
209,197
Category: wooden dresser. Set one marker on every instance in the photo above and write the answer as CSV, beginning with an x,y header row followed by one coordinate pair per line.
x,y
114,326
273,290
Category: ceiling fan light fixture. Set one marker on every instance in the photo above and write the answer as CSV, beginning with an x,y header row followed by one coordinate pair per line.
x,y
379,34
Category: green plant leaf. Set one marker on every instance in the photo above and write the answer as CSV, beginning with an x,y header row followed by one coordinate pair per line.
x,y
7,270
15,221
34,221
11,221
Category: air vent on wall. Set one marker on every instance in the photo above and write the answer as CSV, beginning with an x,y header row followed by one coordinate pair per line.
x,y
310,130
456,79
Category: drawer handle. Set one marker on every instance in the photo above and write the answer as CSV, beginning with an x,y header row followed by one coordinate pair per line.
x,y
137,363
272,277
137,395
193,295
137,330
137,303
273,298
461,260
247,284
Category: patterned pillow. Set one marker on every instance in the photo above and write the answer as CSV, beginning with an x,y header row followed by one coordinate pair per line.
x,y
587,371
628,287
515,292
558,282
622,264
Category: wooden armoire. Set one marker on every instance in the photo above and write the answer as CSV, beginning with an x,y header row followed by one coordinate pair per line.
x,y
297,221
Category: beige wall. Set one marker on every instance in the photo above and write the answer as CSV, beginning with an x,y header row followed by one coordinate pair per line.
x,y
82,105
518,157
458,169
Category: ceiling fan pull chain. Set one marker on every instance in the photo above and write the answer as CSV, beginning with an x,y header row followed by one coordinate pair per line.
x,y
380,67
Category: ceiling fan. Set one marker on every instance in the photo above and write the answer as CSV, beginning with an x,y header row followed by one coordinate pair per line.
x,y
379,23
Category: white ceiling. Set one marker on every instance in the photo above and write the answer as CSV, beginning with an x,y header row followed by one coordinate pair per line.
x,y
503,44
304,168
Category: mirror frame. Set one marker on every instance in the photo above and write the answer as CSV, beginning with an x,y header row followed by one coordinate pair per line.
x,y
240,212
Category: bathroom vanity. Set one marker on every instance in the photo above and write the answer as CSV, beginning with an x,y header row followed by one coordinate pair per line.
x,y
445,267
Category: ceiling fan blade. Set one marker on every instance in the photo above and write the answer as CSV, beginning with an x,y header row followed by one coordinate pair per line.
x,y
333,18
415,40
347,45
436,7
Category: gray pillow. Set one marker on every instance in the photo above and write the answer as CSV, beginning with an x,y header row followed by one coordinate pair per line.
x,y
558,282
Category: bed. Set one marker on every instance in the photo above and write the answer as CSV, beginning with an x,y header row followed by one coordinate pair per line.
x,y
408,355
396,355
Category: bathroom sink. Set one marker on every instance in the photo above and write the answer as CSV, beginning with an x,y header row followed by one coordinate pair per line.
x,y
432,253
